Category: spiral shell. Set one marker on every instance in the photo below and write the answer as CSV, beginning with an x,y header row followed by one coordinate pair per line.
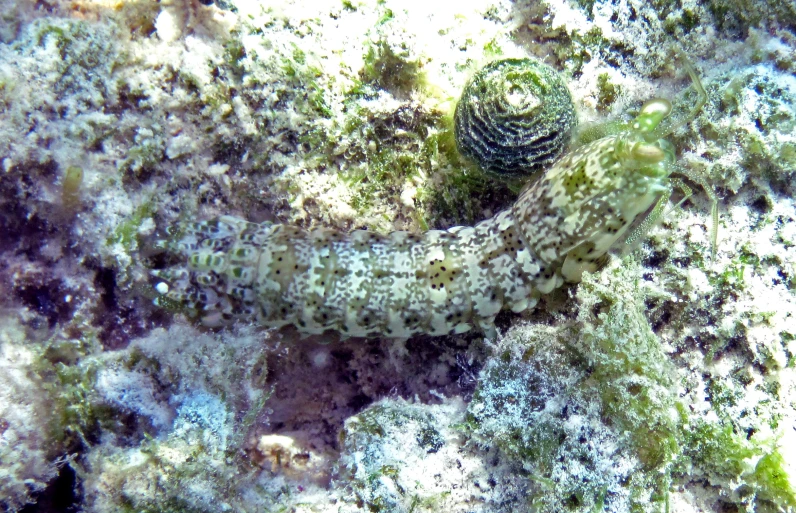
x,y
514,117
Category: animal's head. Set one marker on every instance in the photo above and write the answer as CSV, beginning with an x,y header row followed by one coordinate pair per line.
x,y
607,192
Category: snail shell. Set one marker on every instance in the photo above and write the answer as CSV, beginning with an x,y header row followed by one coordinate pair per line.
x,y
515,117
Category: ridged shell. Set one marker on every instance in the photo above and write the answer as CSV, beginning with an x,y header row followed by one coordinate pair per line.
x,y
515,117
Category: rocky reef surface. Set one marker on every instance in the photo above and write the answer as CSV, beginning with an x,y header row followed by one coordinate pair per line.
x,y
664,382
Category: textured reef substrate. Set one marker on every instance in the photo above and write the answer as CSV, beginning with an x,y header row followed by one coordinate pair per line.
x,y
664,382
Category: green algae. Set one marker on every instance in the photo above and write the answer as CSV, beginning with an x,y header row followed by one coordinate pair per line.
x,y
126,233
610,358
607,92
390,70
85,54
69,371
454,200
603,379
751,472
610,368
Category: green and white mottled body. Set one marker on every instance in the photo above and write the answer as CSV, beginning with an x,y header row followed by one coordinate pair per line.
x,y
366,284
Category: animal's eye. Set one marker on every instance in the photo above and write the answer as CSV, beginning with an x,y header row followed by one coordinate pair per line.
x,y
647,153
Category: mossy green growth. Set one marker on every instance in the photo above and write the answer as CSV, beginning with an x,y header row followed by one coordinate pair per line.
x,y
537,410
387,169
787,154
450,189
126,233
773,484
607,93
382,154
492,49
581,48
716,449
737,16
570,402
751,471
630,371
234,53
508,407
69,368
408,153
79,415
308,81
391,68
81,54
379,162
388,62
685,20
610,369
146,153
457,198
764,108
733,277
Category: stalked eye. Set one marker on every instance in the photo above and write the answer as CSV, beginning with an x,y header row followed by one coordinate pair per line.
x,y
647,153
652,113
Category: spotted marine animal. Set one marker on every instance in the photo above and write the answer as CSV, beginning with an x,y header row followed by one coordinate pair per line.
x,y
362,283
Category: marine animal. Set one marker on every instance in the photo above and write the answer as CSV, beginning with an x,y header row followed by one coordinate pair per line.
x,y
514,117
363,283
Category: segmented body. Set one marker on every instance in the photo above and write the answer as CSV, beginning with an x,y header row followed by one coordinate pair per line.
x,y
366,284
